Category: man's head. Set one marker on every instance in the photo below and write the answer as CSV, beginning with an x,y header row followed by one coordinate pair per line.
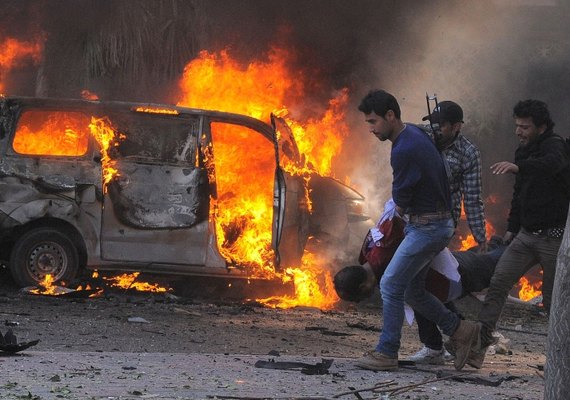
x,y
532,119
382,113
354,283
447,118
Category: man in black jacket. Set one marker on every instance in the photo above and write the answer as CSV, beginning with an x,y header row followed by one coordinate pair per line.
x,y
538,212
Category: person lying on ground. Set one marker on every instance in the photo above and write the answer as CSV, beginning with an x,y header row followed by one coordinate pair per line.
x,y
474,270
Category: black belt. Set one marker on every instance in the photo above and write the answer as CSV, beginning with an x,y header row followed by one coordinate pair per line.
x,y
555,233
426,218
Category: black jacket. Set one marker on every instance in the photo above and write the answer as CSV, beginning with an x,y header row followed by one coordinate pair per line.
x,y
540,201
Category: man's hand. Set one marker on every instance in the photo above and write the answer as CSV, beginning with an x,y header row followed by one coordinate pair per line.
x,y
508,237
482,248
504,167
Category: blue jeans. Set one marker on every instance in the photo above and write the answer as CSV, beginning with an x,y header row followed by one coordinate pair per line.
x,y
405,278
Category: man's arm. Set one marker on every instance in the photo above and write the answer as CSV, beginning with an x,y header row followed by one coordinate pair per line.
x,y
471,188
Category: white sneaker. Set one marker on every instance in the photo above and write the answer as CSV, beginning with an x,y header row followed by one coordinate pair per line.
x,y
428,356
447,356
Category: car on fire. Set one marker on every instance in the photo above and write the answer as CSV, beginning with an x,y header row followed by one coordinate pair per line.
x,y
146,203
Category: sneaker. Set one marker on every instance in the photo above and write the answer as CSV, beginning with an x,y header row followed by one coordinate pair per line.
x,y
447,356
376,361
428,356
465,339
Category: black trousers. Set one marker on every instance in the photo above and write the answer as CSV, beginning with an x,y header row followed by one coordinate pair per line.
x,y
429,333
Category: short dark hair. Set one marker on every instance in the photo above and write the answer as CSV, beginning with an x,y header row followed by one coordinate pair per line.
x,y
536,110
347,283
380,102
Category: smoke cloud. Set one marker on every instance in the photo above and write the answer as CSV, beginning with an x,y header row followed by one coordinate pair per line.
x,y
485,55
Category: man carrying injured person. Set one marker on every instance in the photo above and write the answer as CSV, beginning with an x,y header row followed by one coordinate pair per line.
x,y
420,189
452,276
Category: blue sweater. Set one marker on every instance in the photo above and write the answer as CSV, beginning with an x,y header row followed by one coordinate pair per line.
x,y
420,183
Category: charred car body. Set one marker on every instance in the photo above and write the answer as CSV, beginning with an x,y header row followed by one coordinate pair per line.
x,y
59,215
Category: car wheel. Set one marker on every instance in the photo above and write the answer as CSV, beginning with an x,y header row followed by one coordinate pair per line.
x,y
43,251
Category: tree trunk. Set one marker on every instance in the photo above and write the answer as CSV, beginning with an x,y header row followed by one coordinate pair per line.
x,y
557,369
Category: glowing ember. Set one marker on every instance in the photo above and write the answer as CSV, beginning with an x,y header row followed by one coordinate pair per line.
x,y
244,162
528,290
129,281
152,110
14,53
87,95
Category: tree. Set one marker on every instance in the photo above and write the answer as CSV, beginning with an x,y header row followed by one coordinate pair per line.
x,y
121,50
557,369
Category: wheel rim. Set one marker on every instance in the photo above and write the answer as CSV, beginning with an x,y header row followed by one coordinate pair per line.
x,y
47,258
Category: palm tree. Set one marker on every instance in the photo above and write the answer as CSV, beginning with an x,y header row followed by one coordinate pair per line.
x,y
122,50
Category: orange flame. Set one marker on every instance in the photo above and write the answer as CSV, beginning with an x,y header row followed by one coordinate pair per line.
x,y
244,161
154,110
528,290
128,281
107,137
14,53
313,286
58,134
46,287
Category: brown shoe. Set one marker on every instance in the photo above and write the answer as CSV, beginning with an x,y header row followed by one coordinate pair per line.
x,y
465,339
476,358
376,361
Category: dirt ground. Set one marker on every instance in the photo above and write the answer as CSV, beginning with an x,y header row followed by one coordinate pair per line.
x,y
207,321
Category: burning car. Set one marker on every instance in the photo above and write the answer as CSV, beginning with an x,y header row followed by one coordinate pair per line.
x,y
138,187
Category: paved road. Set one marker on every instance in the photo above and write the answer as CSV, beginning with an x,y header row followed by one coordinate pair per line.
x,y
118,375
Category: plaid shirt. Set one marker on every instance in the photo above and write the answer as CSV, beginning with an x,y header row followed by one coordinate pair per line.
x,y
464,161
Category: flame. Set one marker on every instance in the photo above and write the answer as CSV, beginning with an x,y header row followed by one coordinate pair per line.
x,y
58,134
313,286
468,241
154,110
129,281
529,290
244,161
15,53
66,134
107,137
46,287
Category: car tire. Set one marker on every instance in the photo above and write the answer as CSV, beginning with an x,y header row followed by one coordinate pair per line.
x,y
43,251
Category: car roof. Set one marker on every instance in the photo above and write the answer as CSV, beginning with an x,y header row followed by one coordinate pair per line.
x,y
121,106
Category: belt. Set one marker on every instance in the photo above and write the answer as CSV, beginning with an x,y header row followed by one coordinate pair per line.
x,y
555,233
426,218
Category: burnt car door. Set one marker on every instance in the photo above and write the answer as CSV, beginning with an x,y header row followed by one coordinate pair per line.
x,y
252,194
291,198
155,207
335,215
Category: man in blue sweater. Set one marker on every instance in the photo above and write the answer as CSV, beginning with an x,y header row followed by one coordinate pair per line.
x,y
420,189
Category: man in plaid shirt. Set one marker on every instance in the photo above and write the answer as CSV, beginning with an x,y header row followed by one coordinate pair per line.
x,y
464,162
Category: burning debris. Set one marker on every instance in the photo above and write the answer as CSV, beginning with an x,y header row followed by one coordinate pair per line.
x,y
96,286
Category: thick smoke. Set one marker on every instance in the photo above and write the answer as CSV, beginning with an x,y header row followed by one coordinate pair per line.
x,y
485,55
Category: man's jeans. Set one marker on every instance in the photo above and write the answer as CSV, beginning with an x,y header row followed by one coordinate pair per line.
x,y
525,251
405,278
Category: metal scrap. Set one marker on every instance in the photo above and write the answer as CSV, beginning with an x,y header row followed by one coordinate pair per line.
x,y
9,343
321,368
